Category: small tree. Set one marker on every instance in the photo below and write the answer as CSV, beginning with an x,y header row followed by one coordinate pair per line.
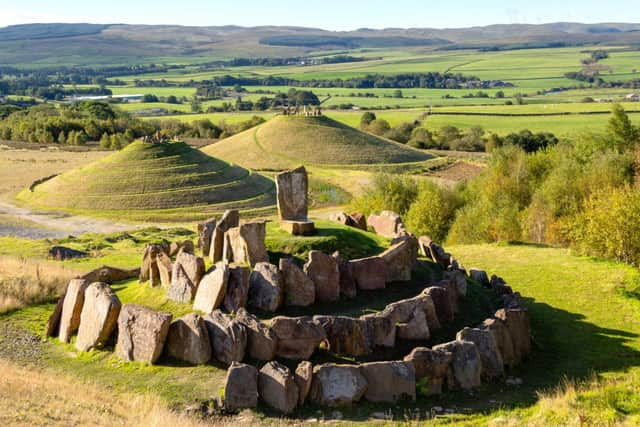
x,y
366,119
105,141
622,132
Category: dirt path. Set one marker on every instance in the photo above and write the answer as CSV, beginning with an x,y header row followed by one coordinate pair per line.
x,y
37,225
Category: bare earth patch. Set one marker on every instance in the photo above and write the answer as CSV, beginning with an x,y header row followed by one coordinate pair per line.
x,y
459,171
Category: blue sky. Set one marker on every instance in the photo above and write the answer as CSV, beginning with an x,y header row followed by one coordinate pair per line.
x,y
328,14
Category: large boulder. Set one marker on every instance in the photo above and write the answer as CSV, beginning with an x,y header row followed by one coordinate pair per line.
x,y
212,289
228,337
341,218
369,273
165,267
358,220
230,219
303,376
237,293
459,279
442,302
348,286
241,387
298,337
262,342
110,275
416,327
245,244
72,308
292,192
188,340
337,385
432,365
148,267
388,224
205,232
492,364
401,258
141,333
277,387
389,381
266,291
413,317
185,277
346,335
99,316
517,322
452,293
52,328
324,271
435,252
466,366
299,289
479,276
381,329
502,337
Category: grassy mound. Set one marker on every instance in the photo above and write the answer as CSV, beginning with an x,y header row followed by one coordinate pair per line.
x,y
286,141
154,177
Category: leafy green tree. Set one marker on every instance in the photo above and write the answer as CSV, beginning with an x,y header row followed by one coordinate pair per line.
x,y
379,127
196,106
105,141
366,119
622,132
433,211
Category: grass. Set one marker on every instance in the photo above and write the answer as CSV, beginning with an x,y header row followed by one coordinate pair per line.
x,y
170,175
289,141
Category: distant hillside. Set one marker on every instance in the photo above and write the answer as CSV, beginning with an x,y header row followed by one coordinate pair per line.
x,y
36,45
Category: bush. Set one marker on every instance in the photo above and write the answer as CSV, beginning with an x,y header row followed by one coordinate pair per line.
x,y
387,192
433,211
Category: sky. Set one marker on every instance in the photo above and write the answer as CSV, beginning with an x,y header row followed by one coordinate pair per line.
x,y
326,14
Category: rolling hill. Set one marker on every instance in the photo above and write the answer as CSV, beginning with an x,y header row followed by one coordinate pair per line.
x,y
288,141
161,176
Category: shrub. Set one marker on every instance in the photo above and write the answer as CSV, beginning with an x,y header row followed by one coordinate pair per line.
x,y
433,211
387,192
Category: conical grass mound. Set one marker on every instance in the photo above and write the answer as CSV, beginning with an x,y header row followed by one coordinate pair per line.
x,y
288,141
145,176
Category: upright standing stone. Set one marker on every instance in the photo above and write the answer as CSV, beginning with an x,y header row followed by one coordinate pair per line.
x,y
237,288
165,267
298,337
205,232
141,333
185,277
266,291
325,274
99,317
401,257
212,290
346,335
188,340
299,289
348,286
245,244
389,381
293,205
230,219
72,309
53,324
388,224
262,342
501,334
241,387
466,366
228,337
492,364
369,273
303,377
517,323
432,365
277,387
337,385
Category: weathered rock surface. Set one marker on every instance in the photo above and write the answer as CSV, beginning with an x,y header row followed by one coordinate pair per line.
x,y
266,291
323,270
241,387
99,317
416,328
278,388
188,340
479,276
452,293
517,323
369,273
346,335
492,364
298,337
298,228
205,233
110,275
237,293
381,329
53,323
436,252
303,376
400,258
442,303
230,219
466,366
337,385
388,224
245,244
262,342
299,289
228,337
359,221
413,317
348,286
142,333
165,267
459,278
292,192
389,381
185,277
212,289
430,364
72,308
503,339
341,218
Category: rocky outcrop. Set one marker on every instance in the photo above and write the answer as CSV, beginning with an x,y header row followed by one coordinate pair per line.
x,y
99,317
299,289
323,270
188,340
277,387
141,333
262,342
389,381
266,291
337,385
298,337
241,387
